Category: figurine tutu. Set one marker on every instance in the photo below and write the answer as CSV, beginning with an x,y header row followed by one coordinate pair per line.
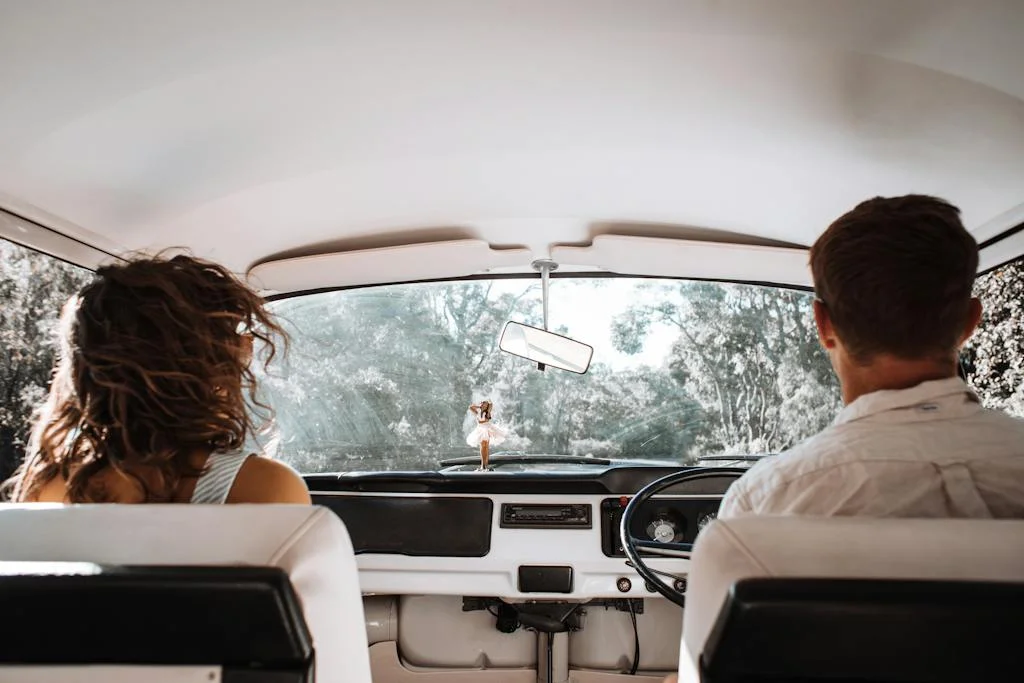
x,y
485,433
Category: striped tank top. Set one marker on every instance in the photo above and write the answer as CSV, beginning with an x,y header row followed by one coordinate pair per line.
x,y
214,484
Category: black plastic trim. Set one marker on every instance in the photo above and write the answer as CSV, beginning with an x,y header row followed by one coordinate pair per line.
x,y
866,630
609,481
543,579
418,526
246,619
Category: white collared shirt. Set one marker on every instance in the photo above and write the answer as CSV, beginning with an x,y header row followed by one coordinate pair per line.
x,y
928,451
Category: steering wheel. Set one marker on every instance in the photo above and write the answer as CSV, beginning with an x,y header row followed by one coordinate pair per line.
x,y
631,545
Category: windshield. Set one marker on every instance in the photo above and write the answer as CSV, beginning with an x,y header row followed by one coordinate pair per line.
x,y
381,378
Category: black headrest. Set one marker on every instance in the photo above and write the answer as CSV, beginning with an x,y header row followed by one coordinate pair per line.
x,y
80,613
867,630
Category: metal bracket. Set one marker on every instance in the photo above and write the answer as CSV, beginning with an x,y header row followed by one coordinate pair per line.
x,y
618,604
545,267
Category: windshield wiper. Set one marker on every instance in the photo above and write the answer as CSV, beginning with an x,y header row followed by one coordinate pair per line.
x,y
736,458
524,459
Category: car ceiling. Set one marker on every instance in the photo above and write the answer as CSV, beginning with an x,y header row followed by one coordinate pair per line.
x,y
249,130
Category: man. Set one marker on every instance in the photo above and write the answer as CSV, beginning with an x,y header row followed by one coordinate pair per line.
x,y
893,280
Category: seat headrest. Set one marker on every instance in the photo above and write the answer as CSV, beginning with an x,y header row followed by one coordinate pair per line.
x,y
728,551
867,630
244,618
309,543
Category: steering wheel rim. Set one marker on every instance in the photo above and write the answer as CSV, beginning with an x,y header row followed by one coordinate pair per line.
x,y
630,543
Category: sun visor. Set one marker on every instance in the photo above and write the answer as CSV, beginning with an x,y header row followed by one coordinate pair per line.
x,y
662,257
1008,248
35,236
405,263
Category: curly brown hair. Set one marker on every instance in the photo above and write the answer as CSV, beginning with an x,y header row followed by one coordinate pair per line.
x,y
152,368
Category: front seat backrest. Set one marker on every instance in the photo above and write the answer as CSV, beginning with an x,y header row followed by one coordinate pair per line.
x,y
745,561
310,544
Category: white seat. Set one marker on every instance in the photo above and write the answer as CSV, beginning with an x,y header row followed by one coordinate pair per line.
x,y
818,547
309,543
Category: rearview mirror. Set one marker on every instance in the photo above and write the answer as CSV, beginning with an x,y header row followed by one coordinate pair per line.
x,y
545,348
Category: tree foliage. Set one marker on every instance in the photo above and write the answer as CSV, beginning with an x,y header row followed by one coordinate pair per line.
x,y
33,288
748,355
381,378
994,357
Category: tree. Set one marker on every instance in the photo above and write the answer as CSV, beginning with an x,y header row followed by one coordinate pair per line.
x,y
749,355
994,357
382,378
33,287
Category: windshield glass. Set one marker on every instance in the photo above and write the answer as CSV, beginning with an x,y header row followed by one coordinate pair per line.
x,y
381,378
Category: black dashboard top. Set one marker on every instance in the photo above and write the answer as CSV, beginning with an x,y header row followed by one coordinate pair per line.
x,y
600,481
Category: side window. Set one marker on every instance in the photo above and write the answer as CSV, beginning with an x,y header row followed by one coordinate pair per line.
x,y
994,358
33,288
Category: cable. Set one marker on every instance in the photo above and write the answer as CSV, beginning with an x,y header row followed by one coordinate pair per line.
x,y
636,639
506,617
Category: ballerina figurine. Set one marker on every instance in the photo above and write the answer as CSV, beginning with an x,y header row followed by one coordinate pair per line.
x,y
485,433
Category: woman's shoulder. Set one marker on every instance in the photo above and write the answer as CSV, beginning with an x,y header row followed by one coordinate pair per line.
x,y
53,491
262,480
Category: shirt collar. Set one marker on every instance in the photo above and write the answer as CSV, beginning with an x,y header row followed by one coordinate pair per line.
x,y
894,399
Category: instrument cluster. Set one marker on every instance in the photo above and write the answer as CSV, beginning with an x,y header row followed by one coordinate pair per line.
x,y
663,520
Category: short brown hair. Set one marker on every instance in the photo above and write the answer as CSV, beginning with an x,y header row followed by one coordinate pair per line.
x,y
895,274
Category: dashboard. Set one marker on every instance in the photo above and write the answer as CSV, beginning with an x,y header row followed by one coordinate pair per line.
x,y
516,535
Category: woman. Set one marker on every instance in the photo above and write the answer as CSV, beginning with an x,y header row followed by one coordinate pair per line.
x,y
150,400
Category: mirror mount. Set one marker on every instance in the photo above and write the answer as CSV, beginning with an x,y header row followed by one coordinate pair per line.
x,y
545,267
542,346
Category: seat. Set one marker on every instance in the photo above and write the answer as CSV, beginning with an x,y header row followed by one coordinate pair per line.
x,y
309,545
841,599
140,623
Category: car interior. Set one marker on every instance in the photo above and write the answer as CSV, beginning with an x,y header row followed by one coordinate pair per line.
x,y
593,215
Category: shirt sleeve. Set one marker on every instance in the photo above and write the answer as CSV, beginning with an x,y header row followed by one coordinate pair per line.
x,y
736,502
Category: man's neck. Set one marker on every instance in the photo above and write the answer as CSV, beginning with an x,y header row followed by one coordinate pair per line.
x,y
886,372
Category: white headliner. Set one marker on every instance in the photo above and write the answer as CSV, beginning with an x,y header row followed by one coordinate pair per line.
x,y
246,129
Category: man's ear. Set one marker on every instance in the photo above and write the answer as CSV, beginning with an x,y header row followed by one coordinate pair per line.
x,y
826,331
973,319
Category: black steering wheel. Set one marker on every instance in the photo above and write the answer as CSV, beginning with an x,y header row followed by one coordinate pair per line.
x,y
632,545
